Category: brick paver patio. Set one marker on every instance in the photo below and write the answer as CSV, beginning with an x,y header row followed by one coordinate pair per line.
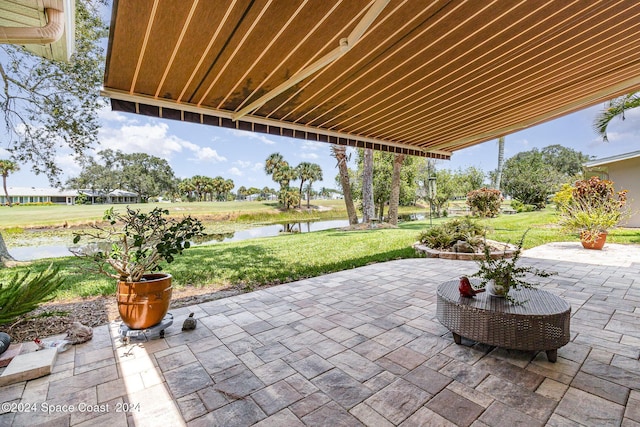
x,y
359,347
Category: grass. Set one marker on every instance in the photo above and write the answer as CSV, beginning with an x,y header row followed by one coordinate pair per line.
x,y
293,257
26,216
251,262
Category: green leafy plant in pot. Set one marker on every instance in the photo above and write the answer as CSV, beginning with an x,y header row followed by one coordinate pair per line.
x,y
500,275
130,248
591,207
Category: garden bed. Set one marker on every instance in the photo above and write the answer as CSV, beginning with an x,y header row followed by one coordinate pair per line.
x,y
497,250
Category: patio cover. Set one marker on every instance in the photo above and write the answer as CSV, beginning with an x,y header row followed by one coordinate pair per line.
x,y
423,78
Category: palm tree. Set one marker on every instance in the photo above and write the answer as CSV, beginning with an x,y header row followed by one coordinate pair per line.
x,y
500,162
368,206
616,108
394,199
7,167
308,172
340,153
273,162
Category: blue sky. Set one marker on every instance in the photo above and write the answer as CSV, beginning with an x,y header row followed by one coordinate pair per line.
x,y
193,149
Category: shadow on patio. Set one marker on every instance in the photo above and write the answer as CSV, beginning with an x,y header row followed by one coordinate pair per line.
x,y
360,346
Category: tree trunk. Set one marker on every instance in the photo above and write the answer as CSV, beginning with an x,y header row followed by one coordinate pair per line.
x,y
6,193
4,252
500,162
300,199
394,200
368,209
340,153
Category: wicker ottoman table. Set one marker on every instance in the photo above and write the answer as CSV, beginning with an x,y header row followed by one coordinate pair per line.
x,y
540,324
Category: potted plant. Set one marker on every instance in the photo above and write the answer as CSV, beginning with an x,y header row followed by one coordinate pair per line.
x,y
500,275
130,249
591,207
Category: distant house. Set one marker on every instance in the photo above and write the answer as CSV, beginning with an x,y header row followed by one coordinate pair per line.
x,y
624,171
115,196
23,195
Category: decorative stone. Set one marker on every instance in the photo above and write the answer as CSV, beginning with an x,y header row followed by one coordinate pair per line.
x,y
466,256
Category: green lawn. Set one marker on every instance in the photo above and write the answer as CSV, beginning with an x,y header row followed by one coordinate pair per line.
x,y
28,216
292,257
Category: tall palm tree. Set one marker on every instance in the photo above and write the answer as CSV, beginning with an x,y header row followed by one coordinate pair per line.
x,y
368,206
616,108
7,167
340,153
308,172
316,175
273,162
500,162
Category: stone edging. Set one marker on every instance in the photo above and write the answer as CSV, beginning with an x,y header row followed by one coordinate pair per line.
x,y
435,253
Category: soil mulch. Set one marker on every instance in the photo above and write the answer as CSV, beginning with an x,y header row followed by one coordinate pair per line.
x,y
56,317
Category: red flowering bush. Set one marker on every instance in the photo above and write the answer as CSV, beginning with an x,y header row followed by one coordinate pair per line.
x,y
485,202
593,208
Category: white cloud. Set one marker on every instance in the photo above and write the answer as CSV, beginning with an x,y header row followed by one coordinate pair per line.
x,y
309,156
68,164
243,163
310,145
248,166
108,115
153,139
235,171
208,154
251,135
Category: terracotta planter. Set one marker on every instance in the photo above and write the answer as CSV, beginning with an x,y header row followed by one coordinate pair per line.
x,y
144,304
594,244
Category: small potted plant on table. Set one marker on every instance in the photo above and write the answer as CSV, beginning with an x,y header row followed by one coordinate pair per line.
x,y
500,275
591,207
130,249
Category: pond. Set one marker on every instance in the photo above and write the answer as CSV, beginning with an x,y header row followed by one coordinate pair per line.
x,y
37,251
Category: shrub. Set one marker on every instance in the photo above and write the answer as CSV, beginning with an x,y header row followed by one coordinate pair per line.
x,y
23,294
446,234
564,196
518,206
593,208
485,202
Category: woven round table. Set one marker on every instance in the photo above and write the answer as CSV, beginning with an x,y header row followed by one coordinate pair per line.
x,y
541,323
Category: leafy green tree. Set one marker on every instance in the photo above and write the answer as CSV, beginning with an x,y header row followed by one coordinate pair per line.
x,y
467,180
530,179
531,176
48,104
99,176
242,192
146,175
565,160
616,108
7,167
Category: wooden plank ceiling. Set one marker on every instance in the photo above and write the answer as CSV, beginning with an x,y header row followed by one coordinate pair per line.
x,y
425,78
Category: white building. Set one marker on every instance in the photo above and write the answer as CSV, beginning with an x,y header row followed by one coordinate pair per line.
x,y
24,195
